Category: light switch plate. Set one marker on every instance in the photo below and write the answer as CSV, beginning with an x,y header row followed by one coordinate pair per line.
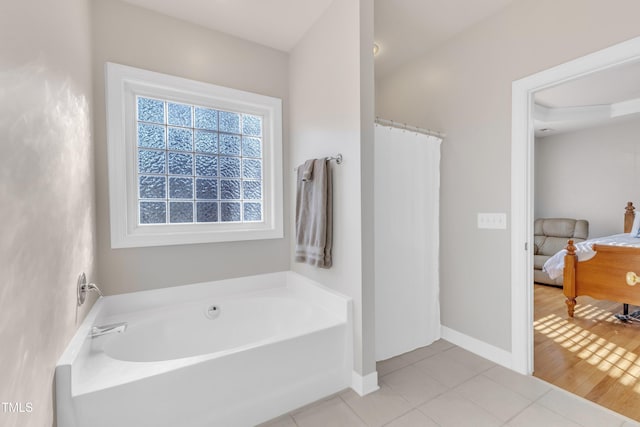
x,y
492,220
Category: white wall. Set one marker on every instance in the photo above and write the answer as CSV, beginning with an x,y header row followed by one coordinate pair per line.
x,y
328,81
464,89
589,174
140,38
47,216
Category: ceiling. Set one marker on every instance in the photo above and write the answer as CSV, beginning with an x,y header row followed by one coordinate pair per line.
x,y
404,29
608,96
609,86
279,24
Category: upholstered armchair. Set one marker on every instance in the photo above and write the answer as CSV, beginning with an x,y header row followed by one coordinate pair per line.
x,y
550,236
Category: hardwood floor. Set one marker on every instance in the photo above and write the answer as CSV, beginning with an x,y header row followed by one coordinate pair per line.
x,y
593,355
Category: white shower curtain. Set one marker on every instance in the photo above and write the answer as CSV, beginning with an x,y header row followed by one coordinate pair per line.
x,y
407,185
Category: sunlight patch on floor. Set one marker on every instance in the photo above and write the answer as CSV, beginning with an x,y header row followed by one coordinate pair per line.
x,y
606,356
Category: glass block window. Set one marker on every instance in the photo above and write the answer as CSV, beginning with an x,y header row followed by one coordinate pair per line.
x,y
197,164
191,162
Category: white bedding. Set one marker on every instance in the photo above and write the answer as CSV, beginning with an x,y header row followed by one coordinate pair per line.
x,y
584,250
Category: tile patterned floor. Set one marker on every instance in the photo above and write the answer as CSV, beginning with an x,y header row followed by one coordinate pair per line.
x,y
442,385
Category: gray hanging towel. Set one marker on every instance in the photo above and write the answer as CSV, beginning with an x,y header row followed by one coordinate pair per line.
x,y
314,214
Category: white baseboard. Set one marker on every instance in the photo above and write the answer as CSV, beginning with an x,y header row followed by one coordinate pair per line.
x,y
364,385
481,348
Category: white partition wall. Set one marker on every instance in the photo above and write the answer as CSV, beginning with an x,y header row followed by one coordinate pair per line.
x,y
407,183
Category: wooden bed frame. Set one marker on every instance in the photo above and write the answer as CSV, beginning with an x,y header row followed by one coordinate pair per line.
x,y
605,275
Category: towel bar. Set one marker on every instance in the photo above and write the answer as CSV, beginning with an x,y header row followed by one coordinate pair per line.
x,y
337,158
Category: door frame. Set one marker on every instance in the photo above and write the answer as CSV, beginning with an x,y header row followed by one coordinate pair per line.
x,y
522,188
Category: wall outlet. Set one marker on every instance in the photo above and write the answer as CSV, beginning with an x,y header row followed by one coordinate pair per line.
x,y
492,220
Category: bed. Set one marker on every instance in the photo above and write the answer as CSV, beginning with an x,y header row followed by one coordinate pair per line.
x,y
602,268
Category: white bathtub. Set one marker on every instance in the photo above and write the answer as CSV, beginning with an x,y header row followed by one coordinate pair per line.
x,y
273,343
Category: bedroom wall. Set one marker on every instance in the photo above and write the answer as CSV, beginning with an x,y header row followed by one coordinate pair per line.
x,y
605,161
47,216
463,88
133,36
331,77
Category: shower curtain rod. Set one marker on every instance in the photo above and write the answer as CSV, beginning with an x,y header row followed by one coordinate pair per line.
x,y
404,126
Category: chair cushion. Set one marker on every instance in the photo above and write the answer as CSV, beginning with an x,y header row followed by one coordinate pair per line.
x,y
552,245
539,260
555,227
551,234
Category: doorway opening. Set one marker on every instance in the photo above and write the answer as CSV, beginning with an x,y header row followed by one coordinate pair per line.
x,y
522,179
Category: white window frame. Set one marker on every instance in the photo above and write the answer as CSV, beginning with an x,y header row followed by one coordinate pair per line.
x,y
123,85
